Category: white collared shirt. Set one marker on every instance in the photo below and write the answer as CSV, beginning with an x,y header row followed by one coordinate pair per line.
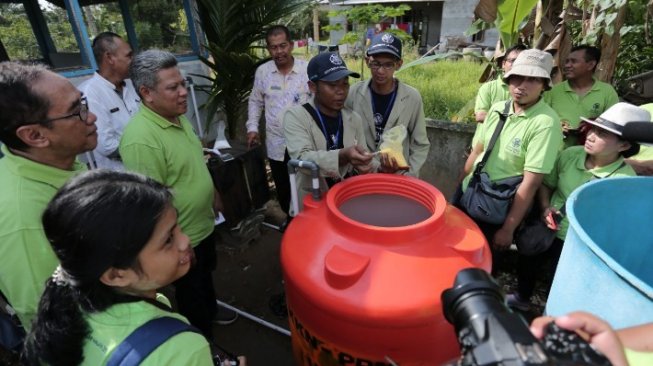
x,y
113,110
276,92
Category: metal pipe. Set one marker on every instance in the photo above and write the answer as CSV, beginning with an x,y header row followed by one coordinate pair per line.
x,y
254,318
293,164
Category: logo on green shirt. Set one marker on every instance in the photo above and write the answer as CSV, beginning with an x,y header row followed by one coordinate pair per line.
x,y
515,146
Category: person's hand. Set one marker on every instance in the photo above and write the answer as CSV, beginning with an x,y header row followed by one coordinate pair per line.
x,y
503,238
547,216
388,164
252,139
357,156
594,330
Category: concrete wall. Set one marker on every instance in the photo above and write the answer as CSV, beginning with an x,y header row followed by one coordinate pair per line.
x,y
447,155
457,16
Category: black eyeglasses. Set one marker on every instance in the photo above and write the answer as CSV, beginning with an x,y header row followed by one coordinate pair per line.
x,y
82,113
386,66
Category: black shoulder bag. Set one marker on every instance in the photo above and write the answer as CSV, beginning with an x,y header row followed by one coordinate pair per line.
x,y
488,201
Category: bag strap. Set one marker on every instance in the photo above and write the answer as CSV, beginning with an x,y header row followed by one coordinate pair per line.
x,y
146,338
497,131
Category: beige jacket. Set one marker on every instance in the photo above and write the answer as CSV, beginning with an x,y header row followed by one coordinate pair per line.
x,y
305,141
407,110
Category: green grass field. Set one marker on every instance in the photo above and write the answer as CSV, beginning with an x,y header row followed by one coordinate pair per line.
x,y
446,86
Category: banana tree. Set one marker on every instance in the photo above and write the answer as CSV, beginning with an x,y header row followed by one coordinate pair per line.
x,y
233,28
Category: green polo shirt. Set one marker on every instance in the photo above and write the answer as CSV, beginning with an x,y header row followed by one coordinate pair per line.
x,y
645,151
26,258
172,155
571,107
638,358
490,93
529,141
570,173
110,327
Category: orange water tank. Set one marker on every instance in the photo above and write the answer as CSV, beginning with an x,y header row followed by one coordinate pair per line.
x,y
364,269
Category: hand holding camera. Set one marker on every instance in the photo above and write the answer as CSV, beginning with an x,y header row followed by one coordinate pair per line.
x,y
489,333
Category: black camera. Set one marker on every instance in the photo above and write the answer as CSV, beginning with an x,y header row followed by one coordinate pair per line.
x,y
489,333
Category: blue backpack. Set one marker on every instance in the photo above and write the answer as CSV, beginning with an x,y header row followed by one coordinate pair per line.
x,y
146,338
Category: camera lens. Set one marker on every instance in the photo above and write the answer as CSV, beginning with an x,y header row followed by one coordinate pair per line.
x,y
473,295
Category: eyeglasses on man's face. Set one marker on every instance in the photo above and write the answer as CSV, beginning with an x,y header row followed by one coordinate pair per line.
x,y
82,114
375,65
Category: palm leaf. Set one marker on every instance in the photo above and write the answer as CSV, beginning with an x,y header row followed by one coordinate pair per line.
x,y
233,27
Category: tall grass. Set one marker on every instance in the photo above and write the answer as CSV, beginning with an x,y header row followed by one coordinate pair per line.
x,y
446,86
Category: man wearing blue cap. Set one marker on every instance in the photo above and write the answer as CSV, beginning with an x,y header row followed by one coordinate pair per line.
x,y
383,102
323,130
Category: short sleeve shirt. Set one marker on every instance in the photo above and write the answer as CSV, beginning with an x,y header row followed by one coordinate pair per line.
x,y
490,93
571,107
570,173
26,257
110,327
172,154
529,141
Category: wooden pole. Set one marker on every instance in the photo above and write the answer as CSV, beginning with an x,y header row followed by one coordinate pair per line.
x,y
316,24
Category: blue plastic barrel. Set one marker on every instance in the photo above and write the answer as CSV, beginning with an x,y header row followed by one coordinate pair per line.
x,y
606,266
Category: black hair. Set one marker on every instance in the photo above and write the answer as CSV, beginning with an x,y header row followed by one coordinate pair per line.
x,y
518,47
19,104
632,150
277,29
98,220
591,54
104,42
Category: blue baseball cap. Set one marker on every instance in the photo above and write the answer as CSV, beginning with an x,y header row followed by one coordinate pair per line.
x,y
385,43
328,66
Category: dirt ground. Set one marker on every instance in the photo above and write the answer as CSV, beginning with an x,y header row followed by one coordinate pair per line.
x,y
249,275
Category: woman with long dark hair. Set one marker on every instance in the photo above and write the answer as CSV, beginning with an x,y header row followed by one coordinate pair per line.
x,y
117,239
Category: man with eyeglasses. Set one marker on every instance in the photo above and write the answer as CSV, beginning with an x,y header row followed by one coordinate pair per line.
x,y
111,96
278,84
384,102
44,124
496,90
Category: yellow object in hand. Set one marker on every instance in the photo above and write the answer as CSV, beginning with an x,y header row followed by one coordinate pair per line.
x,y
393,144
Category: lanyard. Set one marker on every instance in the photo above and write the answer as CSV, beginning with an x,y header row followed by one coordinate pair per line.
x,y
378,118
334,138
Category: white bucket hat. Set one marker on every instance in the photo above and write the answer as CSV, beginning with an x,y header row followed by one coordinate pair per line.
x,y
533,63
615,118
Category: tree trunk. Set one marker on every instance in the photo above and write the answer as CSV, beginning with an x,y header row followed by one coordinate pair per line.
x,y
316,24
90,19
610,48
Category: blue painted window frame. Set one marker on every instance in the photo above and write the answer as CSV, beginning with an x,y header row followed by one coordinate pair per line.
x,y
81,34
